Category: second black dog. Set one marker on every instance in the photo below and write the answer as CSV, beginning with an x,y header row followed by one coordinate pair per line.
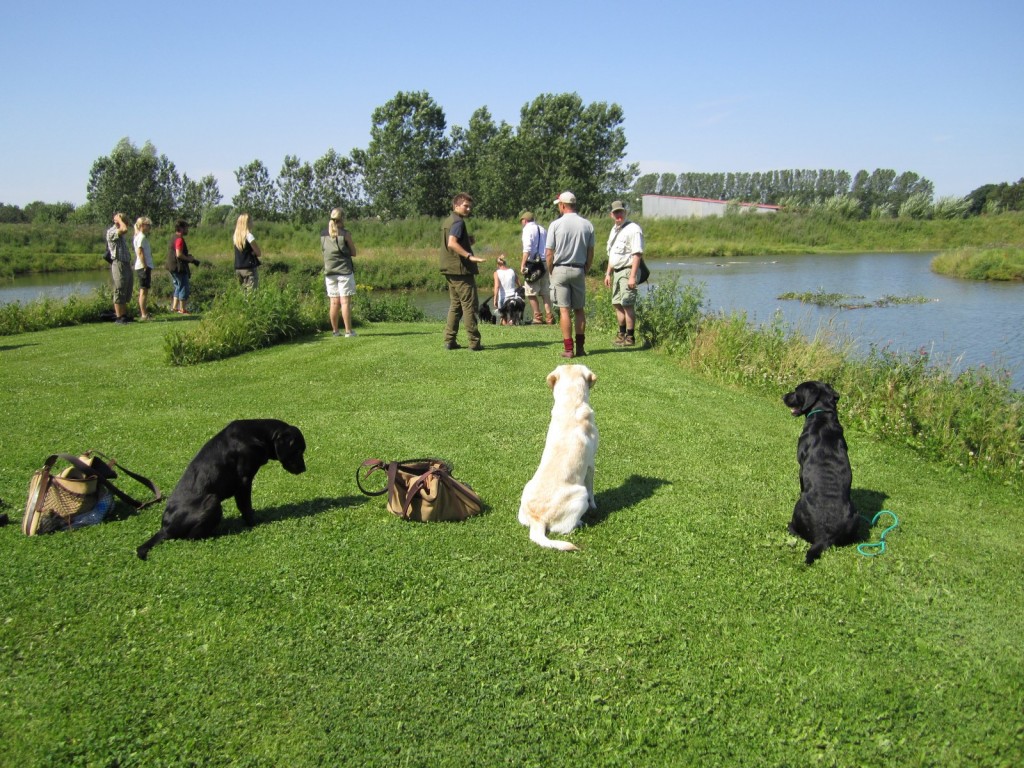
x,y
824,515
223,468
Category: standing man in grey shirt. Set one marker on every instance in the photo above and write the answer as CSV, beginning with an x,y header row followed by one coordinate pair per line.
x,y
120,267
569,254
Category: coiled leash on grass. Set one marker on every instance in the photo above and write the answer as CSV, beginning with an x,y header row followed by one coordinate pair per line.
x,y
874,548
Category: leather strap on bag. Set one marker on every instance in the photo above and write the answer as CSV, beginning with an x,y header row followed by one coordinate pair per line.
x,y
104,471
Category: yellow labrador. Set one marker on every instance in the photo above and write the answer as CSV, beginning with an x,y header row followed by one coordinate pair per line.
x,y
562,489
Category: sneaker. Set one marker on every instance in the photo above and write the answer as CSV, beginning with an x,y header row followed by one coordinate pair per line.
x,y
620,339
349,334
335,333
121,321
629,341
567,354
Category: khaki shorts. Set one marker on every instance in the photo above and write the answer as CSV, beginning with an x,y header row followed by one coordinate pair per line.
x,y
568,287
123,275
539,287
621,294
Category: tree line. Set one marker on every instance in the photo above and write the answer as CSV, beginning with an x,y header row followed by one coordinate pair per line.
x,y
413,165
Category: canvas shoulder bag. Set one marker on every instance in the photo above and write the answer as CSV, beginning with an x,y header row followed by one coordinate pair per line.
x,y
422,490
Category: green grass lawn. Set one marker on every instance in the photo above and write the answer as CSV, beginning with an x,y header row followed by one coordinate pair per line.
x,y
687,631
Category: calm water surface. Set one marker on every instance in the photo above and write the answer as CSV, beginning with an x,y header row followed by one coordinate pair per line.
x,y
964,323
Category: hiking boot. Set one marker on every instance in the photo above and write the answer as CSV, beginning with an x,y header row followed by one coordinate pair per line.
x,y
629,341
452,345
619,340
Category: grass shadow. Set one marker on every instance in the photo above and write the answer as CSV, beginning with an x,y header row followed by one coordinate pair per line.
x,y
868,503
633,490
233,523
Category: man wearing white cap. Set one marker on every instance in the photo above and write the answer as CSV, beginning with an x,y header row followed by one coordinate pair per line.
x,y
569,254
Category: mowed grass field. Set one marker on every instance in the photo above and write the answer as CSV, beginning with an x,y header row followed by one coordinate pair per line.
x,y
687,630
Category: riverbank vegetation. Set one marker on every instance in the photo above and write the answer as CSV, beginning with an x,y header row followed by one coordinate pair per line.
x,y
405,250
1005,264
686,630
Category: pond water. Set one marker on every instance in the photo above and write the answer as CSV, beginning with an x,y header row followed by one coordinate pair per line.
x,y
963,323
59,285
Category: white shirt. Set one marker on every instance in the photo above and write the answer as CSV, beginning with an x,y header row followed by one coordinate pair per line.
x,y
623,242
534,240
141,241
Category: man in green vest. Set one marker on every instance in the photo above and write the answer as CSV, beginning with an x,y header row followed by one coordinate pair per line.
x,y
459,267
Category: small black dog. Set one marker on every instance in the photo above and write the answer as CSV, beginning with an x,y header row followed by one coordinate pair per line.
x,y
512,310
485,314
223,468
823,515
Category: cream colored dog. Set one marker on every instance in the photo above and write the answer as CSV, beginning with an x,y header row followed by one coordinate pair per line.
x,y
562,489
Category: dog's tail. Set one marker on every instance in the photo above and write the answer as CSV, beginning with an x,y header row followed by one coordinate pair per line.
x,y
816,549
539,535
155,539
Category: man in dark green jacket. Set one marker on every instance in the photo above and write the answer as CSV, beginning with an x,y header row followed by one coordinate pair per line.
x,y
459,267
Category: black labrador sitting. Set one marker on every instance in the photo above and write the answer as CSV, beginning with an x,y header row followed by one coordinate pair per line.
x,y
824,515
223,468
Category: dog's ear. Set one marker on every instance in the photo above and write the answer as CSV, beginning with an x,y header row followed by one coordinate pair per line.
x,y
591,378
829,393
553,378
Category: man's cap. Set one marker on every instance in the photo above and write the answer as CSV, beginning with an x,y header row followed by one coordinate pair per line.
x,y
618,206
528,215
566,197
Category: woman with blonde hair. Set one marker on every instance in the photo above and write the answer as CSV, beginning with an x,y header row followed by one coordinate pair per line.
x,y
339,272
143,262
247,255
506,288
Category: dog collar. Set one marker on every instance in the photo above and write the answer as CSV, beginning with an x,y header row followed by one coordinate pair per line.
x,y
816,410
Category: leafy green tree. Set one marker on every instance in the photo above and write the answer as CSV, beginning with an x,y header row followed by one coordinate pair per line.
x,y
566,145
484,161
257,195
295,191
995,198
12,214
337,183
39,212
198,197
138,182
405,163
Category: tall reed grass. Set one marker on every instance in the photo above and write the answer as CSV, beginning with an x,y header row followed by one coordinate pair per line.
x,y
981,263
973,420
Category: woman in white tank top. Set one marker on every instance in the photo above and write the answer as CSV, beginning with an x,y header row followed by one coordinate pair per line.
x,y
506,283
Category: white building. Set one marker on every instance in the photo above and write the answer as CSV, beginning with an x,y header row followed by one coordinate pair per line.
x,y
668,207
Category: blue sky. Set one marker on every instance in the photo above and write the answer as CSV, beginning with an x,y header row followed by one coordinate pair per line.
x,y
931,87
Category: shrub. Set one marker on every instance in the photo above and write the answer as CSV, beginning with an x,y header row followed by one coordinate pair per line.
x,y
49,312
239,322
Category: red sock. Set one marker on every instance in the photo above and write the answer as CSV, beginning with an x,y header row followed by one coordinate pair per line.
x,y
567,343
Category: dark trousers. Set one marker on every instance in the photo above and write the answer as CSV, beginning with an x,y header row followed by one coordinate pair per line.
x,y
464,303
